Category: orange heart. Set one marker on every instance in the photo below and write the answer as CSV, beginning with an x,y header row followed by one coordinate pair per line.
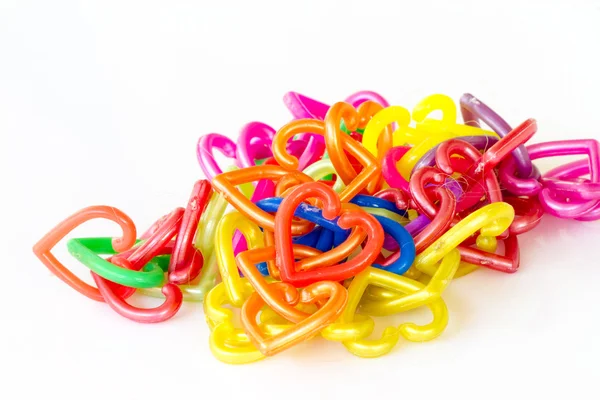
x,y
225,184
371,169
246,262
334,137
43,248
336,296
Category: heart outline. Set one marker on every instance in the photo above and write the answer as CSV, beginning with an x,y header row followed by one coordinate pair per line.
x,y
43,248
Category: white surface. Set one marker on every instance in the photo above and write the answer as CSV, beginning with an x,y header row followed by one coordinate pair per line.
x,y
102,103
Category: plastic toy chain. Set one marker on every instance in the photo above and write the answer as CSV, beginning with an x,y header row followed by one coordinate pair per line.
x,y
508,263
528,214
231,281
479,168
374,348
332,207
138,258
171,292
481,143
565,183
264,188
224,184
440,219
423,229
227,343
184,265
435,131
502,148
425,295
253,143
390,172
553,203
246,260
334,138
491,220
474,110
374,138
370,172
204,242
447,124
43,248
335,294
234,288
565,180
344,243
204,151
256,139
341,240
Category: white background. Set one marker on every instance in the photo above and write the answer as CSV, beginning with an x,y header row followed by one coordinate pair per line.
x,y
102,103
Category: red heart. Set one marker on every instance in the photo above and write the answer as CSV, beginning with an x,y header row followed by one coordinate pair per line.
x,y
348,219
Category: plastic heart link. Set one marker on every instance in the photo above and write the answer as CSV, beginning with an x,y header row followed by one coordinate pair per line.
x,y
304,107
490,220
335,138
246,262
376,132
254,142
559,203
204,243
441,217
435,131
332,206
227,343
256,139
344,243
335,296
186,261
483,167
447,124
232,281
371,170
137,258
528,214
473,188
426,294
474,110
225,184
43,248
353,329
508,263
163,312
565,181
